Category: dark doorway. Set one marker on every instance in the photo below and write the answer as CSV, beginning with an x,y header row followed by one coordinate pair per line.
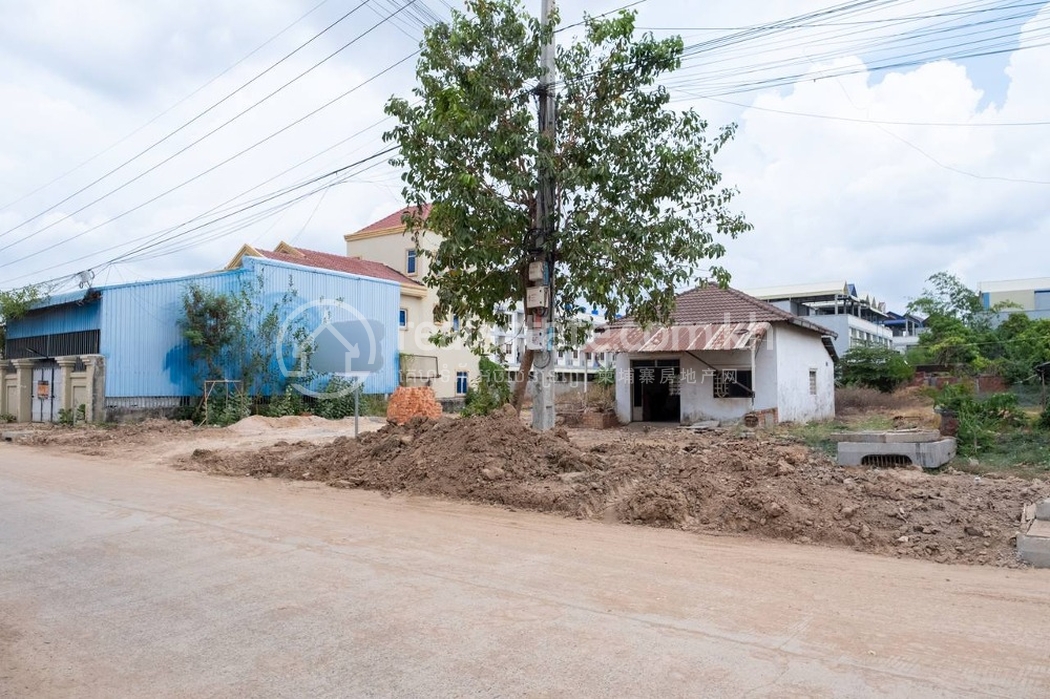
x,y
656,389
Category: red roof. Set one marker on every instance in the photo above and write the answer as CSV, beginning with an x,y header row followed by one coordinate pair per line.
x,y
394,220
340,263
679,338
716,305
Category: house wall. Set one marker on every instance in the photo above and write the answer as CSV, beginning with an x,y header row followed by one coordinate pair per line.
x,y
697,388
797,352
390,248
698,400
622,362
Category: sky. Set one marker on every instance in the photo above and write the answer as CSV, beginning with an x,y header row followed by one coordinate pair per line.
x,y
877,146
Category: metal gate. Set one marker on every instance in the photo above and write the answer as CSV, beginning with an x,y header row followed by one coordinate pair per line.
x,y
47,390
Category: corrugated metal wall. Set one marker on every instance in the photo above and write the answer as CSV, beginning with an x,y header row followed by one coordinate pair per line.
x,y
69,318
147,355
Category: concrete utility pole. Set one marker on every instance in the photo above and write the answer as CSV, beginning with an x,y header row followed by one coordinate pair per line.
x,y
540,298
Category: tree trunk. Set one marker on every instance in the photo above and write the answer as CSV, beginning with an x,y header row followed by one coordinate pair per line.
x,y
523,383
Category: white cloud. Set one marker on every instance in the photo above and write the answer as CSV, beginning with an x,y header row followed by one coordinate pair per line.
x,y
880,205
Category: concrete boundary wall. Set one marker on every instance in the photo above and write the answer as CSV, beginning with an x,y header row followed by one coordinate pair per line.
x,y
85,387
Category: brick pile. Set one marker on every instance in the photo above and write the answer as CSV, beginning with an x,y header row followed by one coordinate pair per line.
x,y
407,403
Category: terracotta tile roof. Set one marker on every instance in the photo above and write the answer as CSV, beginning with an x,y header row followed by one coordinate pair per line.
x,y
391,221
340,263
715,305
679,338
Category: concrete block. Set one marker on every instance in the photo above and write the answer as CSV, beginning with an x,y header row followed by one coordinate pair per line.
x,y
1033,546
888,437
12,436
924,454
1042,510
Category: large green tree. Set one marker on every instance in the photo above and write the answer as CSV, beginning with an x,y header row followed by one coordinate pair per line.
x,y
963,333
639,200
958,325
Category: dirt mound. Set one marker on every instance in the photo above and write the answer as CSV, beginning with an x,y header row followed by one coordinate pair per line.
x,y
770,487
88,438
258,424
495,459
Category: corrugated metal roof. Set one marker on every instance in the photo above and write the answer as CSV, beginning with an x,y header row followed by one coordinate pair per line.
x,y
1014,285
680,338
789,291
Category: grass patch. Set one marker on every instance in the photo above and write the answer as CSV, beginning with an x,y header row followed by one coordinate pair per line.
x,y
1022,452
818,435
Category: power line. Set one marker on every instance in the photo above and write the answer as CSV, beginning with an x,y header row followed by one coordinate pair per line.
x,y
94,157
175,234
326,105
179,129
196,177
857,120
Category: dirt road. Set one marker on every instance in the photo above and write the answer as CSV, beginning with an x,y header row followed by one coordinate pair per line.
x,y
123,580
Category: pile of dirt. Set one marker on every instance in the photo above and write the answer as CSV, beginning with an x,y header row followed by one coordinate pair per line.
x,y
259,424
495,460
771,487
90,438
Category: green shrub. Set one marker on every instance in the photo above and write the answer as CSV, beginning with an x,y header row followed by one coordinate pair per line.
x,y
875,367
1044,418
337,401
288,403
66,417
491,392
7,417
980,421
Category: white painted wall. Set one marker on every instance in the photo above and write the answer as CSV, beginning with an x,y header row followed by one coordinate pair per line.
x,y
783,361
623,388
797,352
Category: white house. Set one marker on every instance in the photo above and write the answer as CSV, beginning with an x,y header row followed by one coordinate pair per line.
x,y
725,355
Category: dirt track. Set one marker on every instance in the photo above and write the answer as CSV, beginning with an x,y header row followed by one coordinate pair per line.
x,y
121,579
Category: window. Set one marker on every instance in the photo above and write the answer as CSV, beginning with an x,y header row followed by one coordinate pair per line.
x,y
812,382
402,318
462,381
733,383
410,261
455,323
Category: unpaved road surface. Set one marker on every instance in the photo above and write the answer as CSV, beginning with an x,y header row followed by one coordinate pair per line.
x,y
119,579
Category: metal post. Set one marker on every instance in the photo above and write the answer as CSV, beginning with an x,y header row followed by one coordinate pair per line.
x,y
544,238
357,408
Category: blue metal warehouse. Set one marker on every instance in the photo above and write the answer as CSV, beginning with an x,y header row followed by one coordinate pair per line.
x,y
135,327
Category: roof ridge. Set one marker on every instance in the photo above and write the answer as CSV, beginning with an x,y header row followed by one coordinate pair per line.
x,y
761,303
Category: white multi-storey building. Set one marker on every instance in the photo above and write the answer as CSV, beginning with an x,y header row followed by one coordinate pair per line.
x,y
858,320
572,366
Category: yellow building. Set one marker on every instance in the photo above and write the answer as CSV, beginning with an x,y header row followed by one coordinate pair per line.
x,y
449,370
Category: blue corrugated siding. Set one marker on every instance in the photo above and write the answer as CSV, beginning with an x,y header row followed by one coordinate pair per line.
x,y
57,320
147,356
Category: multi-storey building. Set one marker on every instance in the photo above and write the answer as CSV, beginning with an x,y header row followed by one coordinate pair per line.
x,y
1029,296
573,367
856,319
